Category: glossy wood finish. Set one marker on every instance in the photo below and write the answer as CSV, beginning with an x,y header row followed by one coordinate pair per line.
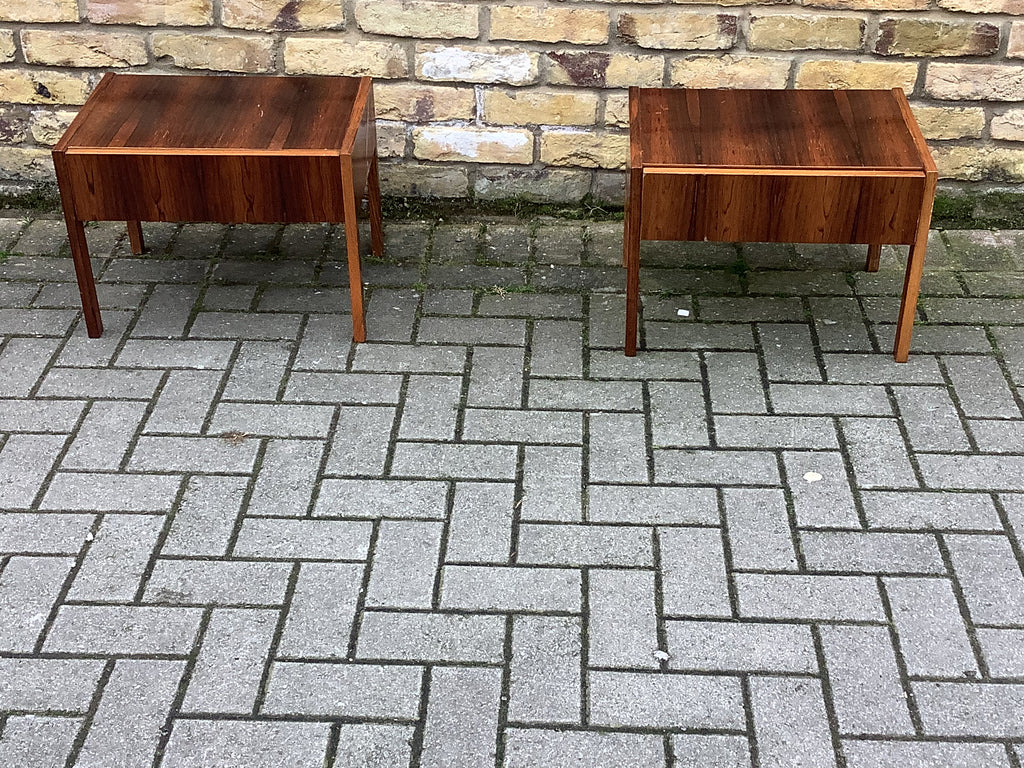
x,y
778,166
226,149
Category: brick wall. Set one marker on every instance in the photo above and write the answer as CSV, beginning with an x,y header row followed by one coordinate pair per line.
x,y
499,99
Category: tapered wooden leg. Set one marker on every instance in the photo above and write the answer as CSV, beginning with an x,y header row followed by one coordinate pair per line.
x,y
631,258
376,215
83,271
135,237
874,257
912,281
355,276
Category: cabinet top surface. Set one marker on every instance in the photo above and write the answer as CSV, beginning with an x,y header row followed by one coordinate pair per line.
x,y
799,129
210,112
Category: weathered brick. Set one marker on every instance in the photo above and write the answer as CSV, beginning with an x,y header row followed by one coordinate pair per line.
x,y
1009,125
978,82
730,71
82,49
219,52
419,19
150,13
587,149
678,29
417,103
856,74
327,56
954,122
582,26
798,32
1015,42
22,86
472,144
268,15
927,37
982,6
477,65
598,69
533,108
39,10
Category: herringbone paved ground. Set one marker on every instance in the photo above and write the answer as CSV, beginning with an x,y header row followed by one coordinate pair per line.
x,y
232,539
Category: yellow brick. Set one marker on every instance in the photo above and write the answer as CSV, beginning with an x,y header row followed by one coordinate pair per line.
x,y
325,56
285,15
39,10
508,64
549,24
1009,126
26,164
539,108
980,163
416,18
391,138
597,69
678,29
151,13
14,125
227,53
730,72
974,82
869,5
790,32
1015,45
616,110
584,149
932,37
41,86
48,126
6,45
856,74
423,103
984,6
950,122
67,48
473,145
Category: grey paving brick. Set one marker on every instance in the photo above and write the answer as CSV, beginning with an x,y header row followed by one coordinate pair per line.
x,y
42,742
167,311
25,461
325,343
258,371
694,750
229,668
260,326
80,351
539,748
48,685
990,577
1001,650
431,408
622,625
735,381
381,498
605,327
361,436
989,472
29,586
531,305
344,690
990,710
287,478
729,646
747,309
461,729
291,539
652,505
193,454
447,301
551,484
981,388
246,744
409,358
789,352
390,313
840,399
176,353
471,330
523,590
1010,342
24,362
785,596
649,699
863,753
716,467
373,746
878,453
584,545
775,432
343,388
759,529
646,367
430,637
871,552
405,561
131,715
877,369
544,671
73,491
458,461
184,402
928,510
981,311
41,236
693,572
932,636
480,526
677,415
824,503
998,436
43,534
43,322
790,723
217,582
618,448
573,394
40,415
205,520
276,420
496,377
322,611
506,426
147,271
931,419
865,682
117,559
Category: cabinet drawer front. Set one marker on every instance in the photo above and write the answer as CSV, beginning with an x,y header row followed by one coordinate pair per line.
x,y
225,188
781,208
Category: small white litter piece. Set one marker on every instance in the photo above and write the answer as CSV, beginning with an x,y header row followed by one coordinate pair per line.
x,y
829,322
661,655
812,477
683,312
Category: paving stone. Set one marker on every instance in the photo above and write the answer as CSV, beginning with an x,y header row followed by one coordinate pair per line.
x,y
790,723
101,384
539,748
693,569
360,445
981,388
73,491
652,505
1001,650
871,552
584,545
193,454
471,330
167,311
839,399
372,746
461,726
932,635
998,473
447,301
461,462
862,753
927,510
139,353
878,369
990,577
931,419
42,742
647,367
813,432
618,448
735,381
246,744
29,587
322,611
623,626
431,408
480,525
390,314
184,402
262,326
381,499
551,484
878,453
525,590
997,436
431,637
586,395
496,377
784,596
25,461
287,478
693,750
759,529
35,533
344,690
678,417
205,520
217,582
117,559
729,646
506,426
544,679
646,699
277,420
983,709
40,415
824,503
325,343
343,388
789,353
303,539
405,561
716,467
539,305
24,362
